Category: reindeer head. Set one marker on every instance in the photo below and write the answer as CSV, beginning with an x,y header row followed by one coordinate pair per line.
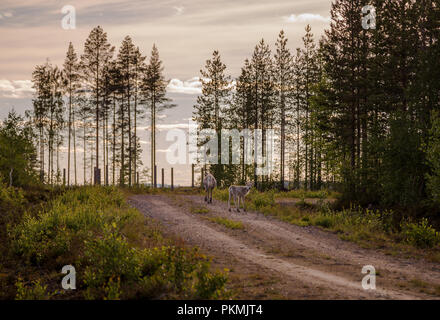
x,y
249,186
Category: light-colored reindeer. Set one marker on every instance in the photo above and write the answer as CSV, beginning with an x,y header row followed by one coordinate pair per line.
x,y
209,183
239,193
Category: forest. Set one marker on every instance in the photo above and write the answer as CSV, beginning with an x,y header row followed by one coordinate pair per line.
x,y
357,113
356,110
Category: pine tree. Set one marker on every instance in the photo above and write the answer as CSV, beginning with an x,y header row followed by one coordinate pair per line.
x,y
126,66
296,126
284,81
344,56
97,54
117,90
155,99
211,105
263,97
139,69
71,77
239,116
41,84
309,79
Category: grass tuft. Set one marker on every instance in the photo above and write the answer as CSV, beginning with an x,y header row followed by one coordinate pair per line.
x,y
228,223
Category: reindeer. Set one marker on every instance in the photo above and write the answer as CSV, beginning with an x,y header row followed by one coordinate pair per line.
x,y
209,183
239,193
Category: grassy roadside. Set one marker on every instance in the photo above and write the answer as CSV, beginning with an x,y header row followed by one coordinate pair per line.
x,y
116,251
367,228
228,223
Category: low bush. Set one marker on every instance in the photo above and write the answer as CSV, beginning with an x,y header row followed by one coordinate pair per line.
x,y
70,219
260,200
301,194
121,252
34,291
221,194
11,197
323,221
420,234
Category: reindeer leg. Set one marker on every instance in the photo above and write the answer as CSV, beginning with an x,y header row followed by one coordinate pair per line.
x,y
229,201
237,203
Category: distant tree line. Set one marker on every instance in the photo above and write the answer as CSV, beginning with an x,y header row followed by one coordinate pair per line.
x,y
358,109
96,101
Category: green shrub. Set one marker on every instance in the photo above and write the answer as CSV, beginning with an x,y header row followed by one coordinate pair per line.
x,y
302,194
166,270
108,258
221,194
420,234
11,197
432,148
113,289
210,285
121,255
36,291
323,221
262,199
72,218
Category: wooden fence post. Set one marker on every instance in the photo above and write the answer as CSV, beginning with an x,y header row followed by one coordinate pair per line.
x,y
201,178
172,179
97,174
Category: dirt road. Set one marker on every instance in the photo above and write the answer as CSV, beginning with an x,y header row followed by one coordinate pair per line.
x,y
271,259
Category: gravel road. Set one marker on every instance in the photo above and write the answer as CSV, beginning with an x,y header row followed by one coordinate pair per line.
x,y
273,259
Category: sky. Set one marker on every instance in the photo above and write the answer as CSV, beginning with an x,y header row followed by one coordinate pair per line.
x,y
185,32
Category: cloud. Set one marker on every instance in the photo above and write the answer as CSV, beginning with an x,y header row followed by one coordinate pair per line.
x,y
306,17
179,10
191,86
5,15
16,89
